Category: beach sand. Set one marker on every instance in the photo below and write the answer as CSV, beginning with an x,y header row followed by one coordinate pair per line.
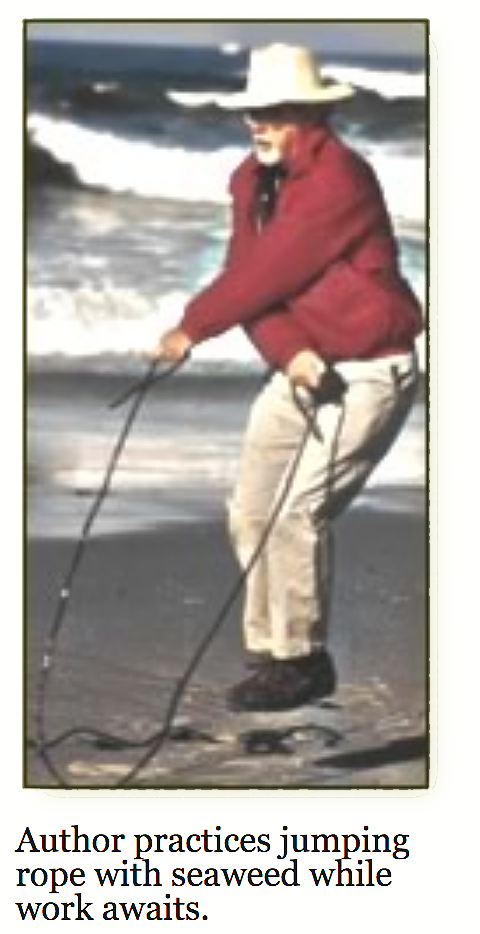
x,y
142,603
154,576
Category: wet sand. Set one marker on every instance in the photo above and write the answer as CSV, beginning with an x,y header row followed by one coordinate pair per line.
x,y
141,604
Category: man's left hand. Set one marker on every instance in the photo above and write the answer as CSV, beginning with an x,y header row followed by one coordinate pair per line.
x,y
306,369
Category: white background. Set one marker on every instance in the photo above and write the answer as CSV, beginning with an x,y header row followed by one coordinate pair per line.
x,y
431,887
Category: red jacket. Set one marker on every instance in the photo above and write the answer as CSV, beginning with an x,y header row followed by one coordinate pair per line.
x,y
322,274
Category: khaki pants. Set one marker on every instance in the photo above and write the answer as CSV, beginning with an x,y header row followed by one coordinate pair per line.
x,y
288,588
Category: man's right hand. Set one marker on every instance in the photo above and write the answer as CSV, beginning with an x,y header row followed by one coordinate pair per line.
x,y
174,346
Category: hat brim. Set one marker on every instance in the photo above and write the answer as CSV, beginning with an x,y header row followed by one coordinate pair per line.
x,y
246,100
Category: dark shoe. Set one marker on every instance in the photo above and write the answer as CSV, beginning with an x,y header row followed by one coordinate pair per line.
x,y
280,684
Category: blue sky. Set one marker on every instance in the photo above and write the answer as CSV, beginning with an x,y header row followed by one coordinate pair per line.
x,y
380,37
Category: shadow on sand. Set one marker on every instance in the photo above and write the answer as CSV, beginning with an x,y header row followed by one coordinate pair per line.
x,y
405,749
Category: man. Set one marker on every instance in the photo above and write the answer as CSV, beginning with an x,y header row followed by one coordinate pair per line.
x,y
312,275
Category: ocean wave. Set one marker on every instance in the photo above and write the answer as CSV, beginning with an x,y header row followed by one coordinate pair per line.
x,y
383,106
89,323
98,96
104,160
109,323
107,102
403,179
66,153
385,82
45,169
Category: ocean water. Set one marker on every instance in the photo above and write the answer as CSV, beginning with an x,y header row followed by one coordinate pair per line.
x,y
127,165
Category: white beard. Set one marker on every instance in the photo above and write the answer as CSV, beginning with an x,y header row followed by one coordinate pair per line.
x,y
267,155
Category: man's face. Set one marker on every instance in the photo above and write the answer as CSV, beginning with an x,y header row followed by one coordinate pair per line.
x,y
275,131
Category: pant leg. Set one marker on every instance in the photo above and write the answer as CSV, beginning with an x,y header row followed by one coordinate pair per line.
x,y
287,598
272,436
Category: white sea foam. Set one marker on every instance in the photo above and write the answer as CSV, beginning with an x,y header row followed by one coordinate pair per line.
x,y
389,84
86,322
106,160
403,179
90,323
192,98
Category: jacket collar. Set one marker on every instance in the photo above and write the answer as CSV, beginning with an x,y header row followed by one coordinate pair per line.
x,y
310,142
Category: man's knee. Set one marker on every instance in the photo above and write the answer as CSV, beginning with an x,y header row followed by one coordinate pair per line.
x,y
246,530
293,525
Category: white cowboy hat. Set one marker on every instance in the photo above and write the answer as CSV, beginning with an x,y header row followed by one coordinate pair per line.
x,y
281,74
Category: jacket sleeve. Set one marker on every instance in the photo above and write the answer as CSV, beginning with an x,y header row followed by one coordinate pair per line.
x,y
322,222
